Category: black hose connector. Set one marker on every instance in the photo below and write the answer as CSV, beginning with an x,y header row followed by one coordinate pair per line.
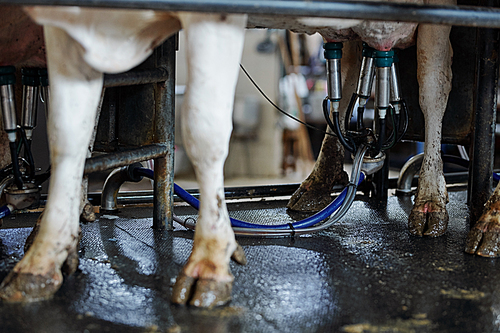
x,y
133,174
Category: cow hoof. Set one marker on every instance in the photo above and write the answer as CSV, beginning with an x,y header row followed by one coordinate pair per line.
x,y
484,240
309,201
26,287
204,293
428,220
88,214
314,195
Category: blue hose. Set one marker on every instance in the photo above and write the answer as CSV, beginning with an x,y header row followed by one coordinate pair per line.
x,y
308,222
4,211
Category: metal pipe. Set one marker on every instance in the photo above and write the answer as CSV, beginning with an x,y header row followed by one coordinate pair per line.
x,y
115,160
483,137
412,167
31,82
333,74
8,110
469,16
395,88
408,171
113,183
382,89
366,74
135,77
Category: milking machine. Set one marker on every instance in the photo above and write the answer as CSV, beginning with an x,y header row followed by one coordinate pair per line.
x,y
18,180
378,66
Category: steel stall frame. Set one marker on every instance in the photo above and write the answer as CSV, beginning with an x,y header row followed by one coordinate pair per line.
x,y
471,16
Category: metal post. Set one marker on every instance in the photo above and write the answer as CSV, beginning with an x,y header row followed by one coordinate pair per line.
x,y
164,134
483,138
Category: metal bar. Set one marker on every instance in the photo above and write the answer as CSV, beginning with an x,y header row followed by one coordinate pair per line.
x,y
123,158
136,77
483,138
470,16
164,134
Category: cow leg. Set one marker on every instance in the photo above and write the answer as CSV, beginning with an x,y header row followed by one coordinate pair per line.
x,y
213,44
314,193
484,238
434,56
75,92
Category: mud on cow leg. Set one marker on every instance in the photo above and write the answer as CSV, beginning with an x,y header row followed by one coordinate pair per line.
x,y
484,238
75,91
429,216
314,193
213,44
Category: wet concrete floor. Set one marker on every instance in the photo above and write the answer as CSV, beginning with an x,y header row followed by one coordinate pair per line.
x,y
365,274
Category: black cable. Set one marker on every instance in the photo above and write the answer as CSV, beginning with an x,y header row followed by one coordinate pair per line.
x,y
404,109
350,110
335,127
278,108
361,111
27,153
15,165
392,140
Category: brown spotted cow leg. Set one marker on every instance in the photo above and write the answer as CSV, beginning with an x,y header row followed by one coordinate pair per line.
x,y
429,216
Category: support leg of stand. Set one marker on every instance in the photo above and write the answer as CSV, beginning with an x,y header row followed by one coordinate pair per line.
x,y
164,133
483,139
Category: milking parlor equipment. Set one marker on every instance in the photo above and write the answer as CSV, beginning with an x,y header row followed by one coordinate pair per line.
x,y
19,182
380,66
473,100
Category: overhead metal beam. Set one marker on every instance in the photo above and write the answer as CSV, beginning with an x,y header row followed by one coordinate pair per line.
x,y
451,15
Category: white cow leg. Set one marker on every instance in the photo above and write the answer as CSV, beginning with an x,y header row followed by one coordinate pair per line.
x,y
75,92
434,55
315,192
484,238
214,44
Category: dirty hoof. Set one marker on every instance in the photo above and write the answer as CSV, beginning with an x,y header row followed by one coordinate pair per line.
x,y
309,201
204,293
25,287
313,195
428,219
88,214
484,240
214,289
